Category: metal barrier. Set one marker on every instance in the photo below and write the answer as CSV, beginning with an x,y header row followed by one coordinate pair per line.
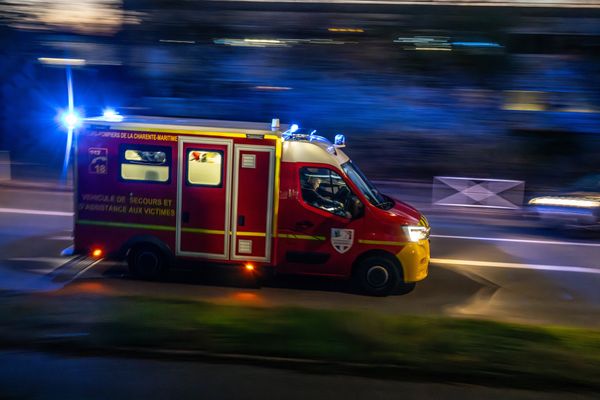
x,y
5,174
475,192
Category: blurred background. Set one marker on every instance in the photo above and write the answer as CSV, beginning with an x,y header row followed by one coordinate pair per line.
x,y
464,109
509,91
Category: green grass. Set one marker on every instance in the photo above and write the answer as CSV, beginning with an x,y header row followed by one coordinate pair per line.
x,y
468,350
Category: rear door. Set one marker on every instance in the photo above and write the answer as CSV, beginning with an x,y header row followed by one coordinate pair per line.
x,y
252,215
203,198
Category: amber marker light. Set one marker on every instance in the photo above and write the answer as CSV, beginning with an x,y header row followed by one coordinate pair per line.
x,y
97,253
249,267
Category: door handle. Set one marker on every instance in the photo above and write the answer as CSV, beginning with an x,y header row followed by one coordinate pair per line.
x,y
185,217
241,220
302,225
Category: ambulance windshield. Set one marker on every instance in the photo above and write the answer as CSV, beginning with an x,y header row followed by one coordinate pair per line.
x,y
365,186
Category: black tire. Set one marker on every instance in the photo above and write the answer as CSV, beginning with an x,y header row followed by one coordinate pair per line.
x,y
378,276
147,262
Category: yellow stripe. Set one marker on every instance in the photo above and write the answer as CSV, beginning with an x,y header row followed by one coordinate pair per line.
x,y
126,225
255,234
193,132
201,230
382,242
303,237
277,184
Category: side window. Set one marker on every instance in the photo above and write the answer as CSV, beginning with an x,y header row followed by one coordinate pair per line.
x,y
204,167
323,188
145,163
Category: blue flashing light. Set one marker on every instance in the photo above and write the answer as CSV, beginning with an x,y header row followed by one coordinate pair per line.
x,y
340,140
70,119
294,128
476,44
110,114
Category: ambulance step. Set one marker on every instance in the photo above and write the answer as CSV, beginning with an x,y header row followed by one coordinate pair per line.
x,y
73,268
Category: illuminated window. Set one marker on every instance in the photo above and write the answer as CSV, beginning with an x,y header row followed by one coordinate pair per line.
x,y
204,167
145,163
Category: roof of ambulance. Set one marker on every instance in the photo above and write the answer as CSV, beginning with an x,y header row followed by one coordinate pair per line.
x,y
138,121
293,150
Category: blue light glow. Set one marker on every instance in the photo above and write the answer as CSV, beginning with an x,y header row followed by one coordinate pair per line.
x,y
70,119
110,114
476,44
294,128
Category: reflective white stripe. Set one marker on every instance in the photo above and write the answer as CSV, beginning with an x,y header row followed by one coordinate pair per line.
x,y
36,212
62,238
494,264
489,239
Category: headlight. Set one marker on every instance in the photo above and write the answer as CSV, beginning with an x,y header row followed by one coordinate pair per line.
x,y
564,201
416,233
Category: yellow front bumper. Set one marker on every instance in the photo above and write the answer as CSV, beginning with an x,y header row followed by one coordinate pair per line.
x,y
414,258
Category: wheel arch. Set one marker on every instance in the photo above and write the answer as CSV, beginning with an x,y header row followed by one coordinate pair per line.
x,y
378,253
147,240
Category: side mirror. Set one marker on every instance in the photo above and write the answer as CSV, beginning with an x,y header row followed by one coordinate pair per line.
x,y
357,208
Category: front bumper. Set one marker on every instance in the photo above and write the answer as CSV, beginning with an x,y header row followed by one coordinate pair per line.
x,y
414,258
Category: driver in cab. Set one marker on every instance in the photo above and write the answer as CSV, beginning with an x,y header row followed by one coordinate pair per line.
x,y
316,196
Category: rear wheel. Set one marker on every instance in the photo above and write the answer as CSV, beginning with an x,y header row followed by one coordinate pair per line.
x,y
147,262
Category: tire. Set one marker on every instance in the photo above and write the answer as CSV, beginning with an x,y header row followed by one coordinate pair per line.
x,y
147,262
378,276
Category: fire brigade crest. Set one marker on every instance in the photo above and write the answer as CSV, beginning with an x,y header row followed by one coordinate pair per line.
x,y
342,239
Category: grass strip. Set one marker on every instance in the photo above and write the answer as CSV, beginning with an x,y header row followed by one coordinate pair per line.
x,y
473,350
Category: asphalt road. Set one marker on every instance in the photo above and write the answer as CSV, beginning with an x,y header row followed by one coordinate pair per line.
x,y
494,265
118,378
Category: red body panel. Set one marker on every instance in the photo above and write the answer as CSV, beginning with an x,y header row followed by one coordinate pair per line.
x,y
254,203
203,207
298,219
109,210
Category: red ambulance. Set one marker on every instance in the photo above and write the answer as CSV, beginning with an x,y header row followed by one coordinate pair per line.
x,y
154,190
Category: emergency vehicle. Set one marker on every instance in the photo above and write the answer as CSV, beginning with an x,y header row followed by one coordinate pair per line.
x,y
260,196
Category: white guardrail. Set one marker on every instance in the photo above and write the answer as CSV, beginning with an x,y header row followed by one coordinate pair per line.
x,y
5,174
475,192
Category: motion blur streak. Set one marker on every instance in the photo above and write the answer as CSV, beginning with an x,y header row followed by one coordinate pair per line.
x,y
491,3
490,239
35,212
61,61
83,16
494,264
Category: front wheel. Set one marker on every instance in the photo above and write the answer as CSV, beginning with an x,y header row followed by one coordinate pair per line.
x,y
147,262
378,276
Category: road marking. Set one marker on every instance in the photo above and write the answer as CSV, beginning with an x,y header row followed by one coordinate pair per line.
x,y
62,238
490,239
83,271
35,212
49,260
494,264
